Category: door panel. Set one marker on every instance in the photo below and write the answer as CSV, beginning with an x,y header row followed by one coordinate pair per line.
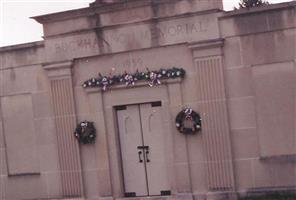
x,y
153,137
130,135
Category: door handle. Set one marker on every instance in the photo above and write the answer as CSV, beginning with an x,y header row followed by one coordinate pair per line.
x,y
146,155
142,147
140,159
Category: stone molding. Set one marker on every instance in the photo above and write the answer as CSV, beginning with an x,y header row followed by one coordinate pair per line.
x,y
60,69
206,44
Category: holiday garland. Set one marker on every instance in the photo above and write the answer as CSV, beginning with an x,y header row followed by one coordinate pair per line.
x,y
188,121
85,132
129,79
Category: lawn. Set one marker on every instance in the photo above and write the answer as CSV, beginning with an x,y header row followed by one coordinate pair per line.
x,y
272,197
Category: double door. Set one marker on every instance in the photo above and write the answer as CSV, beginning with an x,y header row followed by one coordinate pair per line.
x,y
142,150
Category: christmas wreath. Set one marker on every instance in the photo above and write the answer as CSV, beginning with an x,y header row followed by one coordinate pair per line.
x,y
188,121
85,132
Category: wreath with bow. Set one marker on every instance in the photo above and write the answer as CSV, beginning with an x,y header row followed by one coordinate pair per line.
x,y
188,121
85,132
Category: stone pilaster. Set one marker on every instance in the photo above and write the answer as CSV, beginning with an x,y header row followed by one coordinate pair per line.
x,y
65,120
212,100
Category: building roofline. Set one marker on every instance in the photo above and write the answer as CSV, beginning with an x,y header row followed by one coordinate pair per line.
x,y
260,9
22,46
97,8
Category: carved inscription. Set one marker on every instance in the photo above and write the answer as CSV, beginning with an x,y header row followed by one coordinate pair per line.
x,y
81,43
137,36
133,63
161,32
181,29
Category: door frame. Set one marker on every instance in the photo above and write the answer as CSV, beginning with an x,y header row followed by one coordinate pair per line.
x,y
169,93
124,107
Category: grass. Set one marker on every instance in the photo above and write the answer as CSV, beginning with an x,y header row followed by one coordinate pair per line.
x,y
272,197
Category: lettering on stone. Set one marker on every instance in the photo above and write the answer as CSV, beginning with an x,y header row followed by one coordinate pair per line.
x,y
132,64
81,43
161,32
181,29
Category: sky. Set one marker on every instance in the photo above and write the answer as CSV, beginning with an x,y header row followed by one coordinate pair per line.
x,y
16,27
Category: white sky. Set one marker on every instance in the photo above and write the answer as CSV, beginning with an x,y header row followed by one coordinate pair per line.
x,y
16,27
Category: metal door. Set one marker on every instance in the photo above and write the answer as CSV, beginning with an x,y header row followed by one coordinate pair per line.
x,y
142,150
134,172
154,139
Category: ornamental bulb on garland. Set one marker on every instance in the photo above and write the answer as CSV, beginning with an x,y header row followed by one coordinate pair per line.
x,y
105,83
129,79
154,79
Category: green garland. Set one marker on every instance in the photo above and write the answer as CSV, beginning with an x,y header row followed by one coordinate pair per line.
x,y
153,78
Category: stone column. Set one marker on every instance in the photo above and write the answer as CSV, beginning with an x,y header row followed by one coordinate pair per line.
x,y
216,134
65,120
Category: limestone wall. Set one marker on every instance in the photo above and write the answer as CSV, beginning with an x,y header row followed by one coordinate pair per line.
x,y
240,77
259,55
29,166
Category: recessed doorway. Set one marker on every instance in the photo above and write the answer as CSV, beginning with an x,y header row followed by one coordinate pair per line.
x,y
142,150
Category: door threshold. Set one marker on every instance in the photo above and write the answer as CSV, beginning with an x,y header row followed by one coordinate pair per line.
x,y
170,197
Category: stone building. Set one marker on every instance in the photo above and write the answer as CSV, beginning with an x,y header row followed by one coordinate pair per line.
x,y
240,78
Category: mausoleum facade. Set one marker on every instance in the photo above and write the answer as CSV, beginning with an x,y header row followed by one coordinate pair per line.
x,y
186,101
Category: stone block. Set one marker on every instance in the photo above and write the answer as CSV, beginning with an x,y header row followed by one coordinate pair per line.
x,y
281,47
239,82
66,26
45,131
281,20
131,15
82,102
244,24
244,177
2,141
91,184
18,80
89,157
41,105
23,55
198,176
105,183
232,52
48,156
263,174
25,187
275,96
245,143
242,113
53,184
20,135
195,147
182,177
3,162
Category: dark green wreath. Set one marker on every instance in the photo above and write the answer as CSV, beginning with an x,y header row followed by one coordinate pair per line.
x,y
85,132
191,116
